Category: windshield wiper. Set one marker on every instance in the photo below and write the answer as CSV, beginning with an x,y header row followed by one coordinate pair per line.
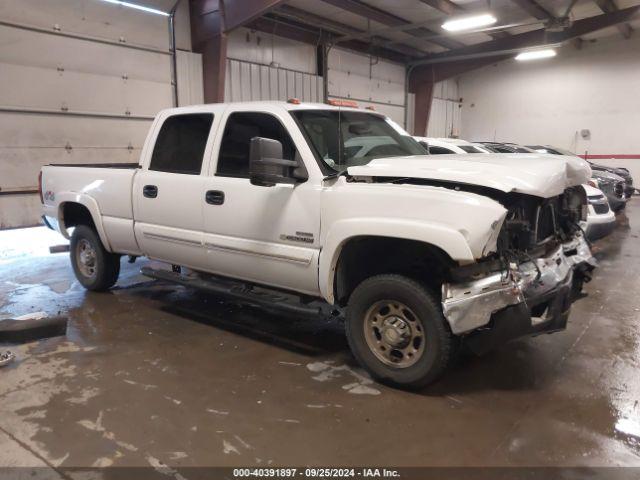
x,y
335,174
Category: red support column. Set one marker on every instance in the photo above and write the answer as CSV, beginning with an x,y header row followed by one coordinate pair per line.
x,y
210,22
214,66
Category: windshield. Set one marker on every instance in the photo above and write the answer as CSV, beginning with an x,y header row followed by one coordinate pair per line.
x,y
347,139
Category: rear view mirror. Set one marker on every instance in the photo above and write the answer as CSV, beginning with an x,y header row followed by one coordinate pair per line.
x,y
267,167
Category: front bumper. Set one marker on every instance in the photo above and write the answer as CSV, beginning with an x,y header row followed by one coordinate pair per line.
x,y
598,225
529,298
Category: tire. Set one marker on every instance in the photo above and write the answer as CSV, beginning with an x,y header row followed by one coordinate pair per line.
x,y
378,303
97,270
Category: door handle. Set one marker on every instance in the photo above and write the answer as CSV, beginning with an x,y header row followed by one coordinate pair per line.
x,y
150,191
214,197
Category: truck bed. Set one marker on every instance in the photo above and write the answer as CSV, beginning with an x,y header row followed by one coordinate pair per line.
x,y
108,185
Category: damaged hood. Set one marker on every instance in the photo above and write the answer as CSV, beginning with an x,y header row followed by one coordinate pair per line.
x,y
536,174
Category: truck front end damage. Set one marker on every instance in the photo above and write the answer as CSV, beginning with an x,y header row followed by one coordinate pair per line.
x,y
527,285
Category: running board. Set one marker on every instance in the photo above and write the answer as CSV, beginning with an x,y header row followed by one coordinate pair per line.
x,y
237,291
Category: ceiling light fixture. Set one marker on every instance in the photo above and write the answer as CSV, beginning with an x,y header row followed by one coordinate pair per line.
x,y
536,54
468,23
137,7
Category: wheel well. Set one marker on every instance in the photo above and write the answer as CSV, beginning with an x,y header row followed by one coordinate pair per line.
x,y
364,257
74,214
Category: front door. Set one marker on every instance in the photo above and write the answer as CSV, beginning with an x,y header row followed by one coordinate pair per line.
x,y
261,234
168,198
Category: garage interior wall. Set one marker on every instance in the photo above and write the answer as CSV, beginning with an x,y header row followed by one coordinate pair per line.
x,y
445,116
261,66
551,101
54,57
368,80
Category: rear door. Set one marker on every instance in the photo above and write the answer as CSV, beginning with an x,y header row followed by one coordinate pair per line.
x,y
167,192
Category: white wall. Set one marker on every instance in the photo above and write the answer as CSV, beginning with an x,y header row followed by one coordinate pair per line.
x,y
550,101
368,80
445,116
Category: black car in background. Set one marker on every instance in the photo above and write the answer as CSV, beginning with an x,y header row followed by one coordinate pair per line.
x,y
611,184
629,189
499,147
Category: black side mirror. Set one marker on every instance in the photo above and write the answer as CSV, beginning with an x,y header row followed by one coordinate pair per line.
x,y
267,167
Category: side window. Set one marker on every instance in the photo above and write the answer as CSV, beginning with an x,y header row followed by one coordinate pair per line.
x,y
439,150
233,160
180,144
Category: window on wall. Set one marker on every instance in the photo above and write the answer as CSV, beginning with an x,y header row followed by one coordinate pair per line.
x,y
233,160
180,144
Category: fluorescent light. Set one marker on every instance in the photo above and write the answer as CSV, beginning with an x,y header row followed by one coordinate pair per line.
x,y
138,7
469,22
536,54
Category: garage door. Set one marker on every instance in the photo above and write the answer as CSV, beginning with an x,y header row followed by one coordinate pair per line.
x,y
82,88
369,81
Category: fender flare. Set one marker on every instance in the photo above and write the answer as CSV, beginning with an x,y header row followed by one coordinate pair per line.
x,y
90,204
444,237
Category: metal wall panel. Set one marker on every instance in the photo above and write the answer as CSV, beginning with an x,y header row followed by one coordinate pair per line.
x,y
369,81
246,81
445,118
190,87
264,49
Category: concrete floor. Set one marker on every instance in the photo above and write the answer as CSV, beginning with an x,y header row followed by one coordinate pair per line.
x,y
154,374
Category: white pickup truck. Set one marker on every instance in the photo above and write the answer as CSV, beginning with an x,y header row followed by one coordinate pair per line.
x,y
325,203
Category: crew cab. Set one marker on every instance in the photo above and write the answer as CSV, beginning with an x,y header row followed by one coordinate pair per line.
x,y
419,252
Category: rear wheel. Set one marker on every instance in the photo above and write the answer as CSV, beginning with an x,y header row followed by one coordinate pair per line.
x,y
95,268
397,331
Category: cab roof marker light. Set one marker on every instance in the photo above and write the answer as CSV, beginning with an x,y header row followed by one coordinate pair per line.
x,y
138,7
467,23
342,103
536,54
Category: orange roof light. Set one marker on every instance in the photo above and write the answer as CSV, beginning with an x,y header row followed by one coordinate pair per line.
x,y
343,103
294,101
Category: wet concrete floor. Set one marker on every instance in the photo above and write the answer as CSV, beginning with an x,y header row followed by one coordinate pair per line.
x,y
151,374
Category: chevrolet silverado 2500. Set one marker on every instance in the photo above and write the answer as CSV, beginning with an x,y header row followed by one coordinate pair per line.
x,y
419,251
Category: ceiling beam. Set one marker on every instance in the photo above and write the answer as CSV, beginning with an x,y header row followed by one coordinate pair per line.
x,y
343,30
445,6
238,13
534,9
609,6
450,8
385,18
315,36
534,38
215,17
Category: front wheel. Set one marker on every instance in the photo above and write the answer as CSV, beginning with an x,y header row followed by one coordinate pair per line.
x,y
396,330
95,268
